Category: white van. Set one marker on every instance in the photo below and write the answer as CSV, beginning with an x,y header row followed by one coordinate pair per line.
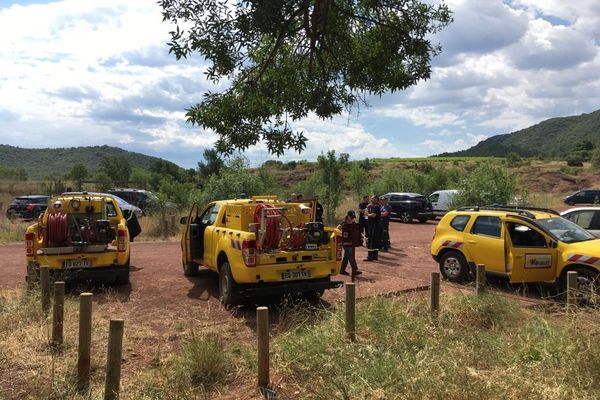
x,y
440,201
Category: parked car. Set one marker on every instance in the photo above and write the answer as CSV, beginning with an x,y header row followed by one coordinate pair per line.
x,y
409,206
27,207
440,201
138,197
587,196
586,217
523,244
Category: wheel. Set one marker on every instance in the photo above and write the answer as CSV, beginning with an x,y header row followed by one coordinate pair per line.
x,y
405,217
190,269
123,276
227,286
588,285
454,267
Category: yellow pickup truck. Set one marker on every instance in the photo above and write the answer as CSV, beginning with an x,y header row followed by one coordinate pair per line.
x,y
81,236
261,246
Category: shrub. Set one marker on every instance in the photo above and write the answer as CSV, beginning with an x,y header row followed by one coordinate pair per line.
x,y
574,160
595,159
487,184
513,159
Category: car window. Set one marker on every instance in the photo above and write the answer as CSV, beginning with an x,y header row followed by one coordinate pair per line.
x,y
110,210
210,215
434,197
487,226
583,218
595,224
395,198
580,194
524,236
460,222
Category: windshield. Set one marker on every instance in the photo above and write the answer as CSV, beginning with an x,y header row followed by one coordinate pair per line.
x,y
565,230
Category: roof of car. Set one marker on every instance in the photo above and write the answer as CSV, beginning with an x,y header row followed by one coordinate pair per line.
x,y
33,196
529,212
403,194
590,208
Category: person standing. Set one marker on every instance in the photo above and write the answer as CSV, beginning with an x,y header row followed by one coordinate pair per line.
x,y
374,228
348,244
362,216
386,212
318,210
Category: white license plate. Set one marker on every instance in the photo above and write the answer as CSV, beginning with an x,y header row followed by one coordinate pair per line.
x,y
83,263
290,275
311,246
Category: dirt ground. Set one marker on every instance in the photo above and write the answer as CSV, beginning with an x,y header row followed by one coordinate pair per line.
x,y
158,286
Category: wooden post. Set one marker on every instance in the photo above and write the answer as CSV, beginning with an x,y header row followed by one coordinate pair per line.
x,y
262,330
45,288
32,278
85,341
58,313
435,294
113,359
571,289
351,311
480,283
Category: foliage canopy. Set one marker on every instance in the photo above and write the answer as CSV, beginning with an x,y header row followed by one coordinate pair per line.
x,y
286,59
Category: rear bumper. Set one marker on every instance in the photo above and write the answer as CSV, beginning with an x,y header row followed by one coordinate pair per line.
x,y
98,274
270,289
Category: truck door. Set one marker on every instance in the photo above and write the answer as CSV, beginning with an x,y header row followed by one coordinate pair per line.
x,y
189,240
530,258
206,232
486,243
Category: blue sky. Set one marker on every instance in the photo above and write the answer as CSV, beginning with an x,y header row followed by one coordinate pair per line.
x,y
94,72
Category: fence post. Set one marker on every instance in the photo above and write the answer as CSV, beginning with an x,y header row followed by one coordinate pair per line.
x,y
32,278
435,294
85,341
571,289
351,311
58,313
480,282
45,288
262,330
113,359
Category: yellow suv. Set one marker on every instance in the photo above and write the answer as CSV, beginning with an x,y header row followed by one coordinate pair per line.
x,y
524,244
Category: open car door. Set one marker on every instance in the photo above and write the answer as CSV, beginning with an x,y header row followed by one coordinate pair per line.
x,y
188,238
529,254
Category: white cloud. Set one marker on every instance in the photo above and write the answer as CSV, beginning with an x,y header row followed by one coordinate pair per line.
x,y
445,144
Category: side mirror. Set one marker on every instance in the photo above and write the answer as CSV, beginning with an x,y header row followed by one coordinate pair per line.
x,y
183,220
553,244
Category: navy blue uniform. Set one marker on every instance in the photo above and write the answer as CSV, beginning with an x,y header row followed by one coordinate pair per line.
x,y
385,227
374,231
362,220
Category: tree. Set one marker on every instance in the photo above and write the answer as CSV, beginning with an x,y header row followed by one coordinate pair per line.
x,y
78,173
332,180
487,184
140,178
103,181
358,179
211,165
287,59
596,158
116,167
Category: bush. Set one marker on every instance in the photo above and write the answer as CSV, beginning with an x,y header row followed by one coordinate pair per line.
x,y
487,184
595,159
513,159
574,160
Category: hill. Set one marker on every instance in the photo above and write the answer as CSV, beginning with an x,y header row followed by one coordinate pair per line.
x,y
551,138
40,163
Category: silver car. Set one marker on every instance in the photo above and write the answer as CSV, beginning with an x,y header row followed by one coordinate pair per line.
x,y
586,217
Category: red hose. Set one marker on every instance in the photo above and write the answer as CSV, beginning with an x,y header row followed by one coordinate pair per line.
x,y
273,226
58,228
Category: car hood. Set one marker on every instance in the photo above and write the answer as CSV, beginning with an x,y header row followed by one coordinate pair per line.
x,y
590,248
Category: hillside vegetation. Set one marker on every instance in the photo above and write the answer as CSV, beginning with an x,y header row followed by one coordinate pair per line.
x,y
554,137
40,163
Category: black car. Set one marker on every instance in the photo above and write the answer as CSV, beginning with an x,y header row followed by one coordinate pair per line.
x,y
138,197
587,196
409,206
27,207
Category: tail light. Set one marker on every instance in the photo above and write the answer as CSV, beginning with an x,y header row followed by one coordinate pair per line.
x,y
30,207
249,252
338,248
29,244
122,240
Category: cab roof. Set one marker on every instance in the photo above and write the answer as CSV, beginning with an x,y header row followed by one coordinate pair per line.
x,y
529,212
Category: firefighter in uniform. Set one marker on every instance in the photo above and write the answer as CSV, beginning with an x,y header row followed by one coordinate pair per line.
x,y
362,216
373,228
386,211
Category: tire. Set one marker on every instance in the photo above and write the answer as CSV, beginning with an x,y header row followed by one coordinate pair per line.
x,y
190,269
405,217
454,267
227,286
123,276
